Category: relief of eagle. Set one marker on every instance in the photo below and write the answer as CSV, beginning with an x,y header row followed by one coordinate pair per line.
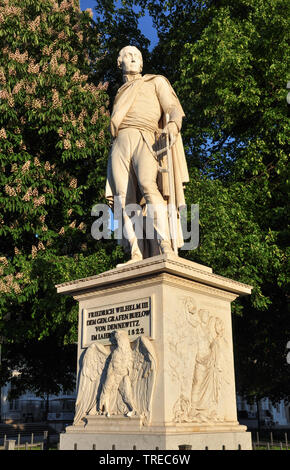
x,y
118,382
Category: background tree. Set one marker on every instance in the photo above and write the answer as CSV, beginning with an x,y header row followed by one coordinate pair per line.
x,y
53,152
45,368
234,75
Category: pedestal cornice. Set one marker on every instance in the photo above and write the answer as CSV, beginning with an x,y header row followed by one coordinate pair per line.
x,y
171,264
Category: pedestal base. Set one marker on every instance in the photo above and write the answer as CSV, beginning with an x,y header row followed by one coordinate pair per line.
x,y
183,310
79,439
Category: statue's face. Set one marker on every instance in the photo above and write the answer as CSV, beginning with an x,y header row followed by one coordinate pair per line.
x,y
204,315
131,60
219,327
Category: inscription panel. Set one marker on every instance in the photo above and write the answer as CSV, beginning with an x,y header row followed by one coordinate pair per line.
x,y
100,322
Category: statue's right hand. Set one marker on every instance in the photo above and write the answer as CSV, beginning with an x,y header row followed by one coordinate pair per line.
x,y
172,131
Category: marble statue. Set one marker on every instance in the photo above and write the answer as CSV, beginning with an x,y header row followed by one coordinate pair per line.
x,y
120,382
138,166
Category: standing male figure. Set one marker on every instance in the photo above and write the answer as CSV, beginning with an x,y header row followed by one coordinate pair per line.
x,y
134,175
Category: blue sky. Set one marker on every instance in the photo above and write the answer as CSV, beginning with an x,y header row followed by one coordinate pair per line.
x,y
145,23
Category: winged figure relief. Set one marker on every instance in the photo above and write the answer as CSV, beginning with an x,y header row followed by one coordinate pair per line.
x,y
120,381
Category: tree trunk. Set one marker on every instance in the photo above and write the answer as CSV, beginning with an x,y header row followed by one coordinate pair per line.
x,y
258,414
46,408
46,444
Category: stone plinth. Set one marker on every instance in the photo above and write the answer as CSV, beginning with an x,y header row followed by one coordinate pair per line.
x,y
185,311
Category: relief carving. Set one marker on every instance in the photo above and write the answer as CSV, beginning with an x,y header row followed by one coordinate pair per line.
x,y
205,365
117,382
181,347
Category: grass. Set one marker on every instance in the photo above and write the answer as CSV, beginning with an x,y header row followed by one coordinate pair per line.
x,y
271,447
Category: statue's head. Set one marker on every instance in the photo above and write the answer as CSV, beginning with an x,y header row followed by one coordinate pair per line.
x,y
191,306
204,315
219,327
130,60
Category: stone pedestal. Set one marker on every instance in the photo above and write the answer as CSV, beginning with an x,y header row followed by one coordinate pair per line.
x,y
185,311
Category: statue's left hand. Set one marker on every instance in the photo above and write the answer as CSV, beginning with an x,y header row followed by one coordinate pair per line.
x,y
172,130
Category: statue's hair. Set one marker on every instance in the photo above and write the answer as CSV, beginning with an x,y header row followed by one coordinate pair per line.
x,y
121,53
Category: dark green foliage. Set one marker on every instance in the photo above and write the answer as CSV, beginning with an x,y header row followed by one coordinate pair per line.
x,y
53,154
